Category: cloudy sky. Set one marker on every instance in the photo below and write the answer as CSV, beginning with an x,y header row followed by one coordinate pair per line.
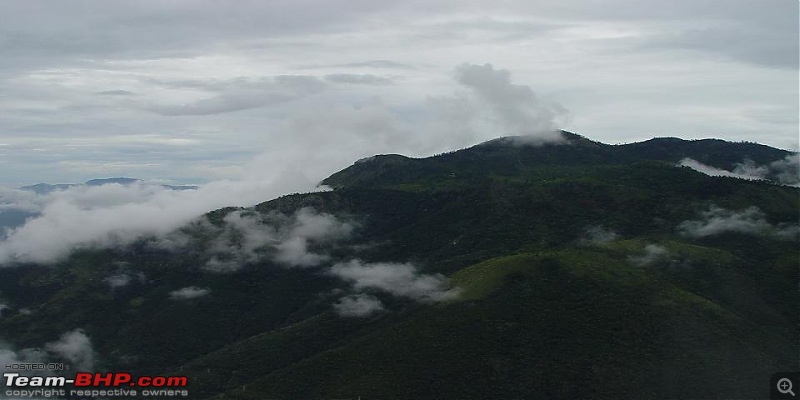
x,y
199,91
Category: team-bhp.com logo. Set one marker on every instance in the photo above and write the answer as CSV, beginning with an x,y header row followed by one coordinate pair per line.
x,y
96,384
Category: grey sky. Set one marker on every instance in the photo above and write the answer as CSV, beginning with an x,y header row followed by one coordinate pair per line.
x,y
196,91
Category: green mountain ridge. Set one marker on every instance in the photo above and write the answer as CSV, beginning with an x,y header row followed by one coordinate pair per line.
x,y
576,278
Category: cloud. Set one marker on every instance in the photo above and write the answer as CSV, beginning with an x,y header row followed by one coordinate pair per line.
x,y
652,253
19,200
118,280
294,252
598,235
248,237
385,64
188,293
73,346
29,355
751,220
358,79
57,126
746,170
401,280
756,45
339,132
76,347
242,95
785,171
241,239
517,108
359,305
3,307
117,215
117,92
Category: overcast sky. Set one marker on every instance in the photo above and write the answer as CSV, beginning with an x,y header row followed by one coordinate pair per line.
x,y
197,91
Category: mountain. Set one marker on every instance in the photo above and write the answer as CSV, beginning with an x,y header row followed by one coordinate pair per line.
x,y
107,181
45,188
506,270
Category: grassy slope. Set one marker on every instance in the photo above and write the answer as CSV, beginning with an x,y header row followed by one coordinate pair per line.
x,y
578,323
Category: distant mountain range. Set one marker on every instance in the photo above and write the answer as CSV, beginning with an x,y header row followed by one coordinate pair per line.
x,y
44,188
510,269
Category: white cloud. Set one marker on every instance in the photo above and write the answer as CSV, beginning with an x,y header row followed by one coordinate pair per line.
x,y
247,237
402,280
598,235
294,252
76,347
118,280
751,220
116,215
517,109
188,293
785,171
243,237
57,127
652,253
309,226
73,347
360,305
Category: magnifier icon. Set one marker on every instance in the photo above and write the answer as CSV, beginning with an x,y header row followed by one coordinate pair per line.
x,y
785,386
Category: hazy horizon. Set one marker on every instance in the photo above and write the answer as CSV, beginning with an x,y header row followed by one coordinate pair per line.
x,y
197,92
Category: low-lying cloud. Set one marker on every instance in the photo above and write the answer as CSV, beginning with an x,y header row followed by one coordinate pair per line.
x,y
124,278
785,171
113,215
401,280
488,105
304,240
598,235
75,347
651,254
248,237
358,305
118,280
188,293
751,220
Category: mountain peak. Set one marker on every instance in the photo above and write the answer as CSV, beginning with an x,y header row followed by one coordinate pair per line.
x,y
515,156
106,181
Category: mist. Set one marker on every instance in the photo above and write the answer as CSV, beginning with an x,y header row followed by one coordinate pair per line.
x,y
73,346
321,135
785,171
717,220
188,293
